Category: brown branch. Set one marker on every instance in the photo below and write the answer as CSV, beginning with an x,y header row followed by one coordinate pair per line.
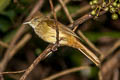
x,y
83,9
111,50
57,8
37,6
89,42
65,72
20,18
15,72
110,65
15,1
100,75
1,77
4,44
18,46
83,19
80,21
116,74
88,16
37,60
66,11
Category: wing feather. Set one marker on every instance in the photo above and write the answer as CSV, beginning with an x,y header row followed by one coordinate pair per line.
x,y
62,27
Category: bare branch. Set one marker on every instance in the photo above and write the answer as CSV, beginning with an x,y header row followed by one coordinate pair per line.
x,y
6,58
4,44
58,7
65,72
36,61
15,72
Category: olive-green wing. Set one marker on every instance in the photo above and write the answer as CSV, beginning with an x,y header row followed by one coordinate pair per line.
x,y
62,27
67,30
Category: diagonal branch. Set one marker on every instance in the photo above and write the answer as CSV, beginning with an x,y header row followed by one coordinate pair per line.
x,y
65,72
15,72
66,11
4,44
19,45
58,7
37,60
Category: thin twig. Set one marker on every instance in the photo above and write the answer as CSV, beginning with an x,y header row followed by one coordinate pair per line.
x,y
100,75
116,74
83,19
83,9
111,50
65,72
110,65
36,61
89,42
58,7
37,6
15,72
18,46
19,21
4,44
80,21
66,11
15,1
1,77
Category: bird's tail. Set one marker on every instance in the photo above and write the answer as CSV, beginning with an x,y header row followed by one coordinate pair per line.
x,y
86,52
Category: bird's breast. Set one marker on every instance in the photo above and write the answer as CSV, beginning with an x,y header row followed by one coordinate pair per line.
x,y
48,34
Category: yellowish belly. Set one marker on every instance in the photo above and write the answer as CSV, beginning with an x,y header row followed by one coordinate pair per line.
x,y
48,34
51,37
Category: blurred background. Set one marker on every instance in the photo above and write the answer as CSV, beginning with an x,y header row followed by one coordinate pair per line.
x,y
20,46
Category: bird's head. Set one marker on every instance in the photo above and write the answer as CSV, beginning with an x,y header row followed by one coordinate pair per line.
x,y
35,20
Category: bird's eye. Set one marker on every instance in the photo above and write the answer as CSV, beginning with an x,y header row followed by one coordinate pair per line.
x,y
36,19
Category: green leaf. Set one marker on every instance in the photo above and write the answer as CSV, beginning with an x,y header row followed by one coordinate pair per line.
x,y
8,37
10,14
76,57
94,72
4,24
38,51
93,36
73,9
4,4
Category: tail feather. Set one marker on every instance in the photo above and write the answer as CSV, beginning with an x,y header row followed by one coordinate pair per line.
x,y
87,52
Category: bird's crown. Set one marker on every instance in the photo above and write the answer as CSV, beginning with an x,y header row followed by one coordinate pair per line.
x,y
35,19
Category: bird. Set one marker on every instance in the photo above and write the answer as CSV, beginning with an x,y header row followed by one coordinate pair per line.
x,y
45,28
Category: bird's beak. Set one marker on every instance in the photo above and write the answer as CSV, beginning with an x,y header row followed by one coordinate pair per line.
x,y
27,22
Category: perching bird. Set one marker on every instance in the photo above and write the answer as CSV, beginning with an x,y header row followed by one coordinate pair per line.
x,y
45,28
